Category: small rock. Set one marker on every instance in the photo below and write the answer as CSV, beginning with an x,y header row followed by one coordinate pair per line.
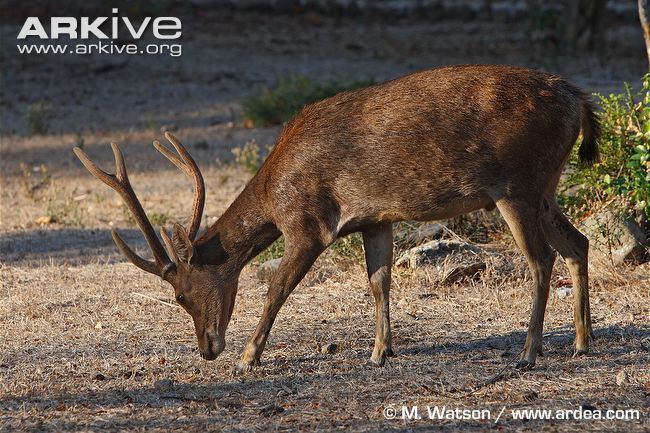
x,y
99,325
609,232
622,378
432,252
461,272
163,384
423,233
328,349
271,409
586,407
267,269
564,292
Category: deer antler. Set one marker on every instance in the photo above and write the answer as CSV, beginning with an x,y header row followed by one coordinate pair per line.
x,y
120,183
188,165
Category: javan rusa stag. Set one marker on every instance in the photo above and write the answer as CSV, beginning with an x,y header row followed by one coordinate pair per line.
x,y
427,146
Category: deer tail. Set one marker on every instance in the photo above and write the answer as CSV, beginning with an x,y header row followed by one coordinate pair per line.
x,y
588,150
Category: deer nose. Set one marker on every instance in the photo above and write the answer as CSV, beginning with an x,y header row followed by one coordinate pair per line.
x,y
208,355
215,346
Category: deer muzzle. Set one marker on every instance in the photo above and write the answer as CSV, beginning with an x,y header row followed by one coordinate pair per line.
x,y
212,347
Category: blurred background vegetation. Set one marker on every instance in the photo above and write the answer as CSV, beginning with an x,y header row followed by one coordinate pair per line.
x,y
250,65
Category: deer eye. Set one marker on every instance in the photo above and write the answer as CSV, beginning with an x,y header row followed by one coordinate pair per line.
x,y
180,298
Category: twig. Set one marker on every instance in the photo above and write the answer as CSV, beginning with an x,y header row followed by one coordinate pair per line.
x,y
496,377
451,232
466,393
169,304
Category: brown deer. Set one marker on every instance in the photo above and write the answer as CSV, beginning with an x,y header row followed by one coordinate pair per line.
x,y
430,145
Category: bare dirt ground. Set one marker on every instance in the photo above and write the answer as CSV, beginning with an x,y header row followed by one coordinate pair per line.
x,y
82,349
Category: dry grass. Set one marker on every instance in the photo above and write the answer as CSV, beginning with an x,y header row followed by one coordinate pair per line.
x,y
82,350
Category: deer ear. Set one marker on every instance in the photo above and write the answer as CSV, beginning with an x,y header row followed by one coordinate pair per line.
x,y
182,244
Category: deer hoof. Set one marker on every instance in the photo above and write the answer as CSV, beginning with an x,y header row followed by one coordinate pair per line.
x,y
580,352
524,365
243,367
380,360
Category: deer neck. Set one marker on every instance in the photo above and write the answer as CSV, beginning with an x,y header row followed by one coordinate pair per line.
x,y
241,233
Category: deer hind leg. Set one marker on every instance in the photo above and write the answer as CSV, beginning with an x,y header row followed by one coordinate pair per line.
x,y
378,246
300,254
573,246
525,225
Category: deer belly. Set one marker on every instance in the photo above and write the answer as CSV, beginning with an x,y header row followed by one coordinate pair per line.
x,y
354,218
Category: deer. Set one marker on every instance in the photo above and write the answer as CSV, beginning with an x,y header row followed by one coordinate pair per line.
x,y
427,146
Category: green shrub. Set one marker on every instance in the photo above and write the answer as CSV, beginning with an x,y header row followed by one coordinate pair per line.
x,y
275,251
248,156
38,117
158,219
32,182
62,208
624,167
270,106
349,247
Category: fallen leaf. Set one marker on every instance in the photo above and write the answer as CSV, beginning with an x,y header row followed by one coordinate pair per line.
x,y
44,220
622,378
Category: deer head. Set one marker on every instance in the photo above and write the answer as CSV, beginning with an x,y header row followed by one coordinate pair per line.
x,y
201,287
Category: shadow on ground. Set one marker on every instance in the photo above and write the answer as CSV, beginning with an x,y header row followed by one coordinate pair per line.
x,y
611,343
72,246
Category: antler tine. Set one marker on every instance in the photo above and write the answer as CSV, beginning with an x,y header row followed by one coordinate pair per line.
x,y
168,244
170,156
120,183
145,265
100,174
187,164
120,165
